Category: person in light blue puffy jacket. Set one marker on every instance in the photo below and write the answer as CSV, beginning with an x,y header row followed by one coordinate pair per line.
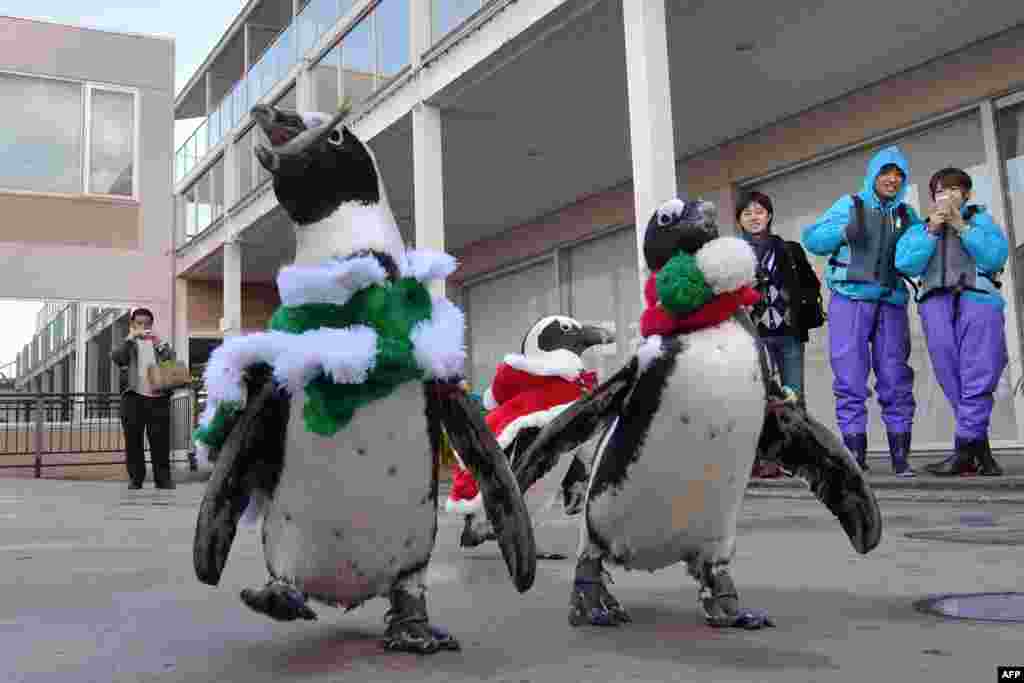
x,y
956,254
867,314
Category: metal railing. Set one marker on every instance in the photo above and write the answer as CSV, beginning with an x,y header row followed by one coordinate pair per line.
x,y
60,430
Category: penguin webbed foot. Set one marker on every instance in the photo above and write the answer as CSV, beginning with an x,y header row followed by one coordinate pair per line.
x,y
279,601
410,630
720,602
592,603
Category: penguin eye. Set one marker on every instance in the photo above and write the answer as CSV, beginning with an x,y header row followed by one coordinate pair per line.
x,y
671,211
335,138
565,326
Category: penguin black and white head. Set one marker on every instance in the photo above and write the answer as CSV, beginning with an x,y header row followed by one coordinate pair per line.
x,y
328,182
555,333
677,226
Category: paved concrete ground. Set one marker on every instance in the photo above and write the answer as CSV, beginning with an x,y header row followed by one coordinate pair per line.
x,y
98,586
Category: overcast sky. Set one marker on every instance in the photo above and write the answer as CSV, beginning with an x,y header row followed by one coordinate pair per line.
x,y
195,25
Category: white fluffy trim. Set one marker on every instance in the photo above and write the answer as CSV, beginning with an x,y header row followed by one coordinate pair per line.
x,y
331,283
648,351
346,356
439,343
426,264
559,363
539,418
490,403
727,263
465,507
223,375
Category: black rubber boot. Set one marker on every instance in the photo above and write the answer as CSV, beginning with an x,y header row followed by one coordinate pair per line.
x,y
858,445
959,463
899,453
987,465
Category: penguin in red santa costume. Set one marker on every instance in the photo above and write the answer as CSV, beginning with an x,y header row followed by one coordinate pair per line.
x,y
529,390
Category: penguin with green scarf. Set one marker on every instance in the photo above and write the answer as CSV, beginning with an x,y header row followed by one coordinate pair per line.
x,y
329,425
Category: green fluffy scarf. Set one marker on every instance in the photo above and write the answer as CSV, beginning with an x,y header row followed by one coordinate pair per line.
x,y
392,310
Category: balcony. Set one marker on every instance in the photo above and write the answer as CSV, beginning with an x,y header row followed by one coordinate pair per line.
x,y
368,56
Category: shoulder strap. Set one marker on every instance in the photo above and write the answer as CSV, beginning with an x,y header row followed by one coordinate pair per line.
x,y
858,205
904,215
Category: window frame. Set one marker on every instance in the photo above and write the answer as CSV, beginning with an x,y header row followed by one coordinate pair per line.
x,y
87,87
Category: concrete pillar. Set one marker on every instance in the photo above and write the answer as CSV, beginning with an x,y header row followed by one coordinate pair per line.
x,y
231,323
208,84
304,87
180,335
428,182
420,30
92,366
115,370
650,111
78,386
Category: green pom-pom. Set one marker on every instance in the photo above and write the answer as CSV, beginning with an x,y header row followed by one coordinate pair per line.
x,y
681,286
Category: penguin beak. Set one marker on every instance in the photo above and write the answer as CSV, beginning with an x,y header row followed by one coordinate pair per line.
x,y
291,150
595,335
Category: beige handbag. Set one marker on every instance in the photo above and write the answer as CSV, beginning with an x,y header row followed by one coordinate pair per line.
x,y
169,375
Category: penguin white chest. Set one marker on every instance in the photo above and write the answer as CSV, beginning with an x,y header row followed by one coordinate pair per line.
x,y
681,494
355,509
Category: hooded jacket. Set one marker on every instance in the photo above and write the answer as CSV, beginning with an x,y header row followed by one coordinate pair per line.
x,y
828,236
983,240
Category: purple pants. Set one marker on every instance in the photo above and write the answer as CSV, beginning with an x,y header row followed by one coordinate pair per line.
x,y
968,356
866,335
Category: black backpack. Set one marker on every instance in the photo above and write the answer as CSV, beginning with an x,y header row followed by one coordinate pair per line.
x,y
809,305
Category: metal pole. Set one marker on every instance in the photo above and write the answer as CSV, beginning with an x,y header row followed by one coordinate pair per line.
x,y
39,437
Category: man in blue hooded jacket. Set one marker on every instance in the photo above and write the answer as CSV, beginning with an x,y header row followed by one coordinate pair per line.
x,y
867,316
956,254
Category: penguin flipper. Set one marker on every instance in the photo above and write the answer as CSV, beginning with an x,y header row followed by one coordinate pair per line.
x,y
806,448
502,498
576,425
250,461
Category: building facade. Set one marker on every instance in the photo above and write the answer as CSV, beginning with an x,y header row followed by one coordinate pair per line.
x,y
533,138
47,363
85,192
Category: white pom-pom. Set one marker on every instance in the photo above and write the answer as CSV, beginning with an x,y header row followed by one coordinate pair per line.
x,y
727,263
439,343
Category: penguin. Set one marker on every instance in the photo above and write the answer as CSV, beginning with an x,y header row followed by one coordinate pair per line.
x,y
679,427
529,390
329,426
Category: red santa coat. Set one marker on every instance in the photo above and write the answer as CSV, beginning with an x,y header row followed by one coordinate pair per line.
x,y
526,392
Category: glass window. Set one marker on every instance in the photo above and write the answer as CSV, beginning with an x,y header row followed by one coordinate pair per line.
x,y
325,79
41,138
244,160
216,173
604,288
204,206
501,310
358,62
190,224
447,14
1011,144
801,197
112,142
392,18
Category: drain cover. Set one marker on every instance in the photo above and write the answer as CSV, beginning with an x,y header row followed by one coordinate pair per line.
x,y
994,607
977,535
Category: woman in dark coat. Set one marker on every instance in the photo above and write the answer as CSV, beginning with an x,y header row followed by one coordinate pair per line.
x,y
790,292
